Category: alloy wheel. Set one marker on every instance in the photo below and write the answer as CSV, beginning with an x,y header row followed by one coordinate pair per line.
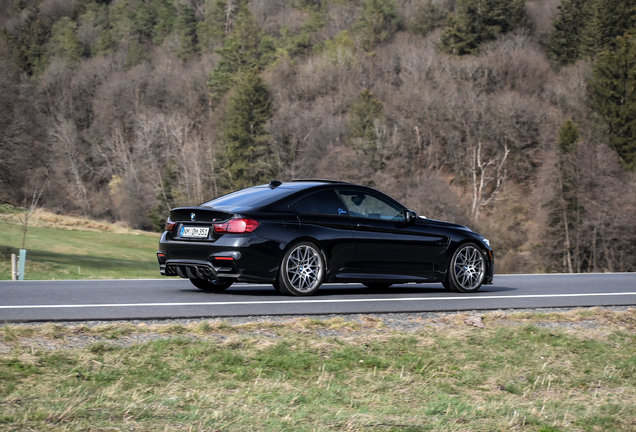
x,y
468,268
304,268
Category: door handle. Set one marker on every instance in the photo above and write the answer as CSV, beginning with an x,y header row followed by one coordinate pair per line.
x,y
362,226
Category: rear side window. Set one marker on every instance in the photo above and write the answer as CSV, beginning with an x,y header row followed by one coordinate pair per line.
x,y
325,202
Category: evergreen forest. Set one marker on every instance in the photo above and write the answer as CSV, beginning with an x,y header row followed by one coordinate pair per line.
x,y
516,118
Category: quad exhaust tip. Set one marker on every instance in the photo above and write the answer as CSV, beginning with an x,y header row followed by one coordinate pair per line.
x,y
189,271
206,272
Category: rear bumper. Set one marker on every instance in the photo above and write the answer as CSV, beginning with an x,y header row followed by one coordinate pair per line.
x,y
197,270
242,258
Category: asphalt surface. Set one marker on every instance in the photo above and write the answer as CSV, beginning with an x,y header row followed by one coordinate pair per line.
x,y
167,298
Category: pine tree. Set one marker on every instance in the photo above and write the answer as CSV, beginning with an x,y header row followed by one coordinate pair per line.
x,y
365,115
28,49
135,55
568,40
428,17
95,20
244,132
614,96
64,42
611,20
186,28
569,136
564,210
301,41
144,22
480,21
242,52
585,28
340,51
377,23
364,111
164,13
212,30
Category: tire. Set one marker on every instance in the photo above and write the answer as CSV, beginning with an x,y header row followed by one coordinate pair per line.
x,y
467,269
279,288
302,270
377,286
214,285
447,286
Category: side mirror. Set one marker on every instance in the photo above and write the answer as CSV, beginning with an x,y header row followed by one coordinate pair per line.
x,y
410,216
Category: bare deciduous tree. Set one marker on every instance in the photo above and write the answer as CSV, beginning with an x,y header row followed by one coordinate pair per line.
x,y
64,134
31,201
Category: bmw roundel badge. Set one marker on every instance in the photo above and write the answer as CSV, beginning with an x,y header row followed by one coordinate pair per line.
x,y
193,216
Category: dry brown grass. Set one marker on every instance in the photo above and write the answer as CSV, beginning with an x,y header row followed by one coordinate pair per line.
x,y
44,219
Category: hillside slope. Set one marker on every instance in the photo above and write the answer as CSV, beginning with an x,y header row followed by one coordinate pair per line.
x,y
123,109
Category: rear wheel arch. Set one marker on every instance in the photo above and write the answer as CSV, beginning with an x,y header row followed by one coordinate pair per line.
x,y
317,243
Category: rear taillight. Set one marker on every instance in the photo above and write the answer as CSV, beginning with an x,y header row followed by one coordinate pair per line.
x,y
236,226
170,225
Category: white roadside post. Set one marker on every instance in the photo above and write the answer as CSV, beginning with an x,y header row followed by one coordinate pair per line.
x,y
21,264
14,267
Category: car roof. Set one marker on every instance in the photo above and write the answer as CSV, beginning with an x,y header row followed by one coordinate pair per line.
x,y
300,184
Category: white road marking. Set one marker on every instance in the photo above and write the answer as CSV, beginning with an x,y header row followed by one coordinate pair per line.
x,y
364,300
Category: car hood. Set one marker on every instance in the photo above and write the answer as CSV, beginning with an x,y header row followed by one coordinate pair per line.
x,y
449,225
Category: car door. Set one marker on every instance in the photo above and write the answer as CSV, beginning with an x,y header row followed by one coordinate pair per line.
x,y
386,243
323,216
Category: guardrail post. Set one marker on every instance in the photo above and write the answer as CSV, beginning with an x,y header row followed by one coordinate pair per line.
x,y
21,264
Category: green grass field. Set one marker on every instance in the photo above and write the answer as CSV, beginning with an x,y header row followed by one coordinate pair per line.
x,y
559,372
71,248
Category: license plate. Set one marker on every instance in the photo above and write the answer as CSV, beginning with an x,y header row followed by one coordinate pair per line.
x,y
194,232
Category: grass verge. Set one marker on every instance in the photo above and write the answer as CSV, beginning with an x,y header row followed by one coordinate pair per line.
x,y
521,372
62,247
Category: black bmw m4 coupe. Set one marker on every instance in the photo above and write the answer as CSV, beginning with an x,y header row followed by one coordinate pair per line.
x,y
301,234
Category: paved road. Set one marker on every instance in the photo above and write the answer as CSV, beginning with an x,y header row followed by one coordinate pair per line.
x,y
176,298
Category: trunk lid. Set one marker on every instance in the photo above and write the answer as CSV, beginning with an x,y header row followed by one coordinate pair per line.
x,y
198,215
196,223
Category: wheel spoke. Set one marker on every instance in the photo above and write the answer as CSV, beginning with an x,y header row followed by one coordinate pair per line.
x,y
303,268
469,267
